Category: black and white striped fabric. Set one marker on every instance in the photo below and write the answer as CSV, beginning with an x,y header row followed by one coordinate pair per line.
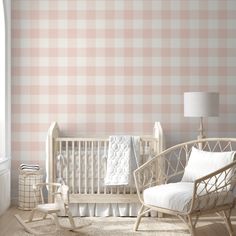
x,y
29,167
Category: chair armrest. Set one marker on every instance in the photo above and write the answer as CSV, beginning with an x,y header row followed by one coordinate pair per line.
x,y
145,176
41,185
57,193
214,189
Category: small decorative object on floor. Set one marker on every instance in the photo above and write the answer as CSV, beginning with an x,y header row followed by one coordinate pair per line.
x,y
29,176
60,193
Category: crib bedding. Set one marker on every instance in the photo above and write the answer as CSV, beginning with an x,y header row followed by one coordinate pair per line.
x,y
106,209
82,162
68,168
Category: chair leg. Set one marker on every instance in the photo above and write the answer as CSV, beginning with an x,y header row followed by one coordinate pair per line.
x,y
141,212
72,222
44,216
31,215
226,217
55,220
189,221
191,226
138,218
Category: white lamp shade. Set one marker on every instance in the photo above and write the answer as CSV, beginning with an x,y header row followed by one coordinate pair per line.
x,y
201,104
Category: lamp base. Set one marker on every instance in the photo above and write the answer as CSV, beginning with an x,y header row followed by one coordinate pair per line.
x,y
201,130
200,136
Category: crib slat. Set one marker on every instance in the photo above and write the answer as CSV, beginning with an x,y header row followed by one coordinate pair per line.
x,y
98,169
73,167
85,165
92,170
143,149
105,165
79,177
124,190
130,190
67,161
61,167
60,148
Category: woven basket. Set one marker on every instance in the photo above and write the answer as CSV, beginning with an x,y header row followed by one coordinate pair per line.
x,y
27,179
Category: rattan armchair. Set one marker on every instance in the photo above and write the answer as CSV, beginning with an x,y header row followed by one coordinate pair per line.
x,y
161,187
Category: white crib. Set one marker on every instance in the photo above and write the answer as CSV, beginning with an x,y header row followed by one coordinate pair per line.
x,y
81,162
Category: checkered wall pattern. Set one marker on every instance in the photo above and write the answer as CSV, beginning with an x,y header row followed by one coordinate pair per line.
x,y
109,67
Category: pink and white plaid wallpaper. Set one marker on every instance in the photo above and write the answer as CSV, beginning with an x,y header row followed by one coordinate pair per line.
x,y
107,67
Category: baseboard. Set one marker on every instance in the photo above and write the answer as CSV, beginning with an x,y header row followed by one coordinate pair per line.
x,y
5,190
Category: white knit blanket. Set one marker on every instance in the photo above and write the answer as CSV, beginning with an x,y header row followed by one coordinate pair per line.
x,y
123,159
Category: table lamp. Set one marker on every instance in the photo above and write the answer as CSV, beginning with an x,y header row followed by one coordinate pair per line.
x,y
201,104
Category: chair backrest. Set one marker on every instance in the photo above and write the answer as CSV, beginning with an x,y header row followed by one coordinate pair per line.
x,y
59,192
175,159
64,190
201,163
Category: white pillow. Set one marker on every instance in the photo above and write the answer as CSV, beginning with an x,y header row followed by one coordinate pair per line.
x,y
202,163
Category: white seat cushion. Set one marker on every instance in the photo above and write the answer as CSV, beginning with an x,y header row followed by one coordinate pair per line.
x,y
48,207
174,196
177,196
202,163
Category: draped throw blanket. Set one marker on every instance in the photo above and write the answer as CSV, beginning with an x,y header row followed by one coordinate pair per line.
x,y
123,159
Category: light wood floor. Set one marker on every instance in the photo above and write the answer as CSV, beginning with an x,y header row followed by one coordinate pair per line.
x,y
167,226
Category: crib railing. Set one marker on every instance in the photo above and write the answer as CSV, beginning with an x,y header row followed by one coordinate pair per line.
x,y
81,164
